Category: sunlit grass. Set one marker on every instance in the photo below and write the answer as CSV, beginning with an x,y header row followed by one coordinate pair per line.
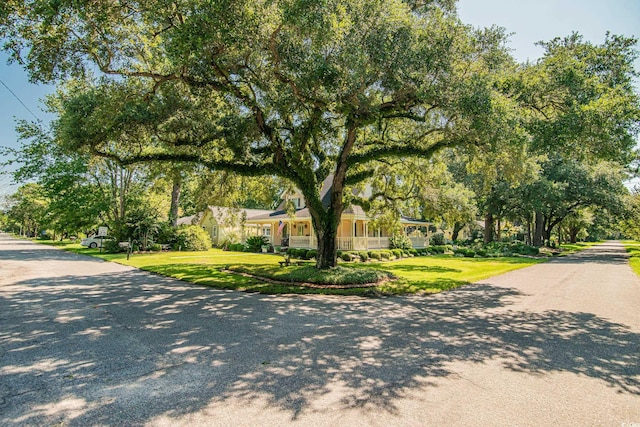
x,y
429,274
633,248
570,248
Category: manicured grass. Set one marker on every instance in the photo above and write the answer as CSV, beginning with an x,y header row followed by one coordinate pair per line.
x,y
570,248
414,275
633,248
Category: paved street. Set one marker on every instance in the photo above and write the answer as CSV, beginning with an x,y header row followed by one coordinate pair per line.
x,y
85,342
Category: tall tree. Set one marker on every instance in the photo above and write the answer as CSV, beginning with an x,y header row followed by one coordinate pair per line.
x,y
295,89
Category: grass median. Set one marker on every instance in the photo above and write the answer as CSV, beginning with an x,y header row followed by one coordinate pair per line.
x,y
427,274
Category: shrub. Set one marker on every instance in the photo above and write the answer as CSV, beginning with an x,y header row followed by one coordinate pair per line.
x,y
414,252
364,256
375,255
155,247
460,251
255,243
311,253
192,238
400,241
397,253
521,248
481,252
437,249
236,247
346,256
470,253
386,254
111,246
437,239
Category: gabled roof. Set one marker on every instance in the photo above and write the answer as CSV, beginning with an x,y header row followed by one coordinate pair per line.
x,y
222,214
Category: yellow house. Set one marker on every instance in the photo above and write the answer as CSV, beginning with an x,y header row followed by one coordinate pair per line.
x,y
281,229
354,231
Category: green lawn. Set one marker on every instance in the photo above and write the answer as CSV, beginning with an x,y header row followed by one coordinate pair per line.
x,y
570,248
429,274
633,248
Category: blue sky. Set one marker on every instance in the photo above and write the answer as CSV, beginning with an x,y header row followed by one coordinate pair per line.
x,y
529,21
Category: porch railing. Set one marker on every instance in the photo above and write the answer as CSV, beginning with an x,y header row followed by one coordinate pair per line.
x,y
303,242
419,242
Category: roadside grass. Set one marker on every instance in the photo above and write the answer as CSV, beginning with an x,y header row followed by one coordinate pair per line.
x,y
571,248
633,249
430,274
425,274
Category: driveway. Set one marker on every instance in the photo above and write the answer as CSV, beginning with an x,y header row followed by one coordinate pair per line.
x,y
85,342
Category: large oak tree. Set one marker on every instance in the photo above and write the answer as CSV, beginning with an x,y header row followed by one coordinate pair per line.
x,y
297,89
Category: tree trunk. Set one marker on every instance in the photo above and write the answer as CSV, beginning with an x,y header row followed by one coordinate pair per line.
x,y
175,202
488,228
326,256
457,227
499,230
538,238
573,234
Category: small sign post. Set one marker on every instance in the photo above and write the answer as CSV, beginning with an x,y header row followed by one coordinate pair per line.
x,y
102,231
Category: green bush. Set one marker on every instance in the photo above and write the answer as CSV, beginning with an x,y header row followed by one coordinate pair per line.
x,y
437,249
255,243
111,246
481,252
397,253
522,249
375,255
155,247
236,247
437,239
414,252
400,241
346,256
311,253
460,251
385,254
364,256
470,253
192,238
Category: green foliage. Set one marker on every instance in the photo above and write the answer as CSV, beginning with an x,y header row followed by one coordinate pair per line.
x,y
255,243
306,274
375,255
436,239
311,253
237,247
346,256
364,256
400,241
192,238
397,253
112,246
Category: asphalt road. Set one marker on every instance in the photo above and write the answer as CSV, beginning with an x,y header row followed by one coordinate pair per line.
x,y
85,342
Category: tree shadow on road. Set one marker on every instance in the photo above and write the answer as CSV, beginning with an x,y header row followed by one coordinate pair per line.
x,y
129,347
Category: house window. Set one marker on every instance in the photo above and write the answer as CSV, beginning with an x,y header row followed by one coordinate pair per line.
x,y
355,229
300,230
297,203
214,231
266,231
